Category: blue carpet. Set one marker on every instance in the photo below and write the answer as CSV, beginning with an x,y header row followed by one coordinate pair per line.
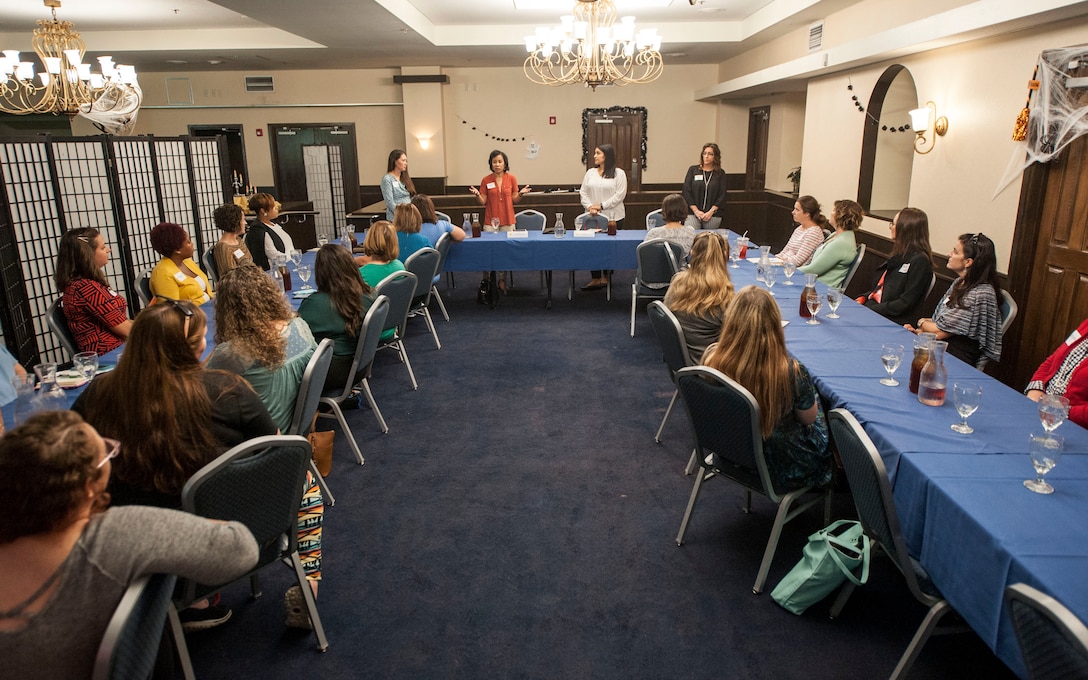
x,y
518,521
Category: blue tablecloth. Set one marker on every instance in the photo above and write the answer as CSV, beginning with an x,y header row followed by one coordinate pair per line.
x,y
544,252
962,506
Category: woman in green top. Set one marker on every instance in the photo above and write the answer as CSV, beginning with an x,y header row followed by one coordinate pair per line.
x,y
336,310
379,258
833,257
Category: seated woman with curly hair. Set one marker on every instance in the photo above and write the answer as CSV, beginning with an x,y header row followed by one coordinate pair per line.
x,y
699,295
65,560
177,276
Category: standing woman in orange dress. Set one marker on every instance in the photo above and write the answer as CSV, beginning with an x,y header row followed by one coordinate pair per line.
x,y
499,191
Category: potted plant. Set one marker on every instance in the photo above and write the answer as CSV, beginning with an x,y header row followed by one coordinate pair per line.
x,y
795,177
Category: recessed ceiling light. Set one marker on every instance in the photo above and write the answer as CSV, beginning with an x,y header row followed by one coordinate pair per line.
x,y
214,62
176,61
620,4
710,10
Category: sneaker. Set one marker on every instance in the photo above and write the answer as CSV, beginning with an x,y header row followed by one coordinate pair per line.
x,y
295,604
203,619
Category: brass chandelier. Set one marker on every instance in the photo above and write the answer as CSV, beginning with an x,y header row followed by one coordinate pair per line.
x,y
592,48
65,85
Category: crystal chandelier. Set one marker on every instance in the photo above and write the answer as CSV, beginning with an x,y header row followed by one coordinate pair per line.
x,y
592,48
66,85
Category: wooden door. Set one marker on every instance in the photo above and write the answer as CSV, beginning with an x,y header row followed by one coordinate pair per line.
x,y
755,176
236,149
289,164
623,130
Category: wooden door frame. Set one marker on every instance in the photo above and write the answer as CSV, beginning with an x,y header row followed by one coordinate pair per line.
x,y
749,178
616,110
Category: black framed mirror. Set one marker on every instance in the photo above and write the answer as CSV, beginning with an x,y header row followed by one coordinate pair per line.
x,y
887,150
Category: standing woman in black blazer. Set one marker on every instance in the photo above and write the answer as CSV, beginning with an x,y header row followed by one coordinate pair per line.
x,y
704,189
900,285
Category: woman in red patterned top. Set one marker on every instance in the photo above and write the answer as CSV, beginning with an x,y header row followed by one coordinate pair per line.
x,y
96,314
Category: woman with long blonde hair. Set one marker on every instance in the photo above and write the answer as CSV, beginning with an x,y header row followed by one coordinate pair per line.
x,y
752,351
699,295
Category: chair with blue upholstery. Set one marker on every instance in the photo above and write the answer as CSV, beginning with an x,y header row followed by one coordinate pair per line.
x,y
309,396
424,263
674,349
133,637
654,218
1053,642
875,504
658,260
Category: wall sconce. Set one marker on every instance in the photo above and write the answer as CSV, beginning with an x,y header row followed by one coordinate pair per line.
x,y
919,120
424,142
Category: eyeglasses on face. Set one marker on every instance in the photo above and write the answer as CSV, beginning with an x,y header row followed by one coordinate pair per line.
x,y
113,447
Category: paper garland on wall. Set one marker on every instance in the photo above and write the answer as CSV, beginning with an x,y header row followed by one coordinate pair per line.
x,y
869,118
497,138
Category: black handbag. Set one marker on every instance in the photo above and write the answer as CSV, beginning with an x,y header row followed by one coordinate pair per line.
x,y
484,294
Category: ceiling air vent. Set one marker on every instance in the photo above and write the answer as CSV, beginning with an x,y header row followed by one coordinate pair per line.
x,y
816,36
259,84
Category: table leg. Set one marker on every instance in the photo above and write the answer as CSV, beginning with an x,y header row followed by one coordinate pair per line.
x,y
494,301
548,278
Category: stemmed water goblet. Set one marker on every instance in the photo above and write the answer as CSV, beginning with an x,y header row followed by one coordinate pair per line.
x,y
86,364
494,224
788,268
1045,450
1053,410
304,272
966,397
891,355
296,257
770,274
834,299
322,240
813,302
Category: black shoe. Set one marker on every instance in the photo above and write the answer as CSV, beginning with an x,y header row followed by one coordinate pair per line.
x,y
203,619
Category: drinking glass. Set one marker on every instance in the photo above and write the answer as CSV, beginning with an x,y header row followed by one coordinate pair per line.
x,y
734,252
834,298
788,268
24,392
86,363
891,355
494,224
322,240
1053,410
813,302
296,256
304,272
966,396
769,276
1045,451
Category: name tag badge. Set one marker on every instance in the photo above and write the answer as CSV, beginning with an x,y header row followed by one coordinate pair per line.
x,y
1073,337
698,178
179,277
905,268
490,185
239,254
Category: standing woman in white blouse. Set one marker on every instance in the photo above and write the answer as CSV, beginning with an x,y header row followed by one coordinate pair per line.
x,y
603,189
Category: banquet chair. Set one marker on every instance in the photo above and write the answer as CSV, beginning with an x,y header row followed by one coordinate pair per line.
x,y
587,221
369,333
1053,642
725,420
853,268
58,323
309,396
654,218
260,484
210,267
439,215
658,260
875,504
424,263
400,288
143,288
134,635
1008,309
932,282
443,248
674,349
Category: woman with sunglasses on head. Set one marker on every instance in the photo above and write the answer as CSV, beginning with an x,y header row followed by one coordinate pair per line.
x,y
699,295
97,316
968,316
65,560
901,283
704,189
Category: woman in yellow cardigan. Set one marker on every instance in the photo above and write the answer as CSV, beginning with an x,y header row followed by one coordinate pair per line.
x,y
177,276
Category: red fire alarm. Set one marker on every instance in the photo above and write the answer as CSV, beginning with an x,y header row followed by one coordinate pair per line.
x,y
551,120
260,132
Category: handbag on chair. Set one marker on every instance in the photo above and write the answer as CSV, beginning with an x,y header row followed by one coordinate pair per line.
x,y
321,442
830,559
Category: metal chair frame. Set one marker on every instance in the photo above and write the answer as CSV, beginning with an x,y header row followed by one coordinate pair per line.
x,y
674,350
400,302
658,261
309,396
425,263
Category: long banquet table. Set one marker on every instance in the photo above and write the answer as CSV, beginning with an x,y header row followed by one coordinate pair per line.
x,y
963,509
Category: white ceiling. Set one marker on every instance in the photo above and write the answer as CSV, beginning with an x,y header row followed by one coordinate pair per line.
x,y
155,35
